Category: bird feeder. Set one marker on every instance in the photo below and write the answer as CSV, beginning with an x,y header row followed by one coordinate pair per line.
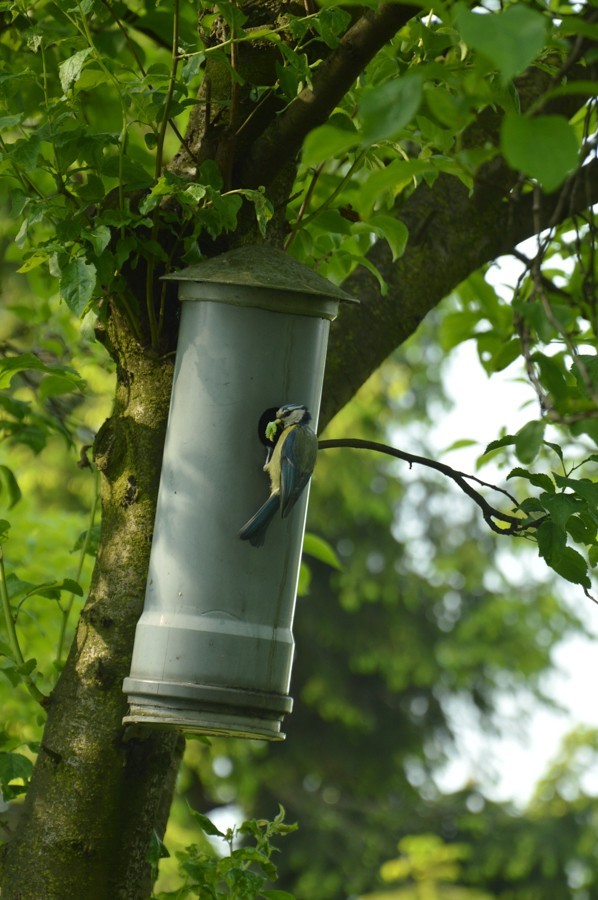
x,y
214,647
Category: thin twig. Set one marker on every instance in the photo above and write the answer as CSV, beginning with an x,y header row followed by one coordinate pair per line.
x,y
516,523
13,638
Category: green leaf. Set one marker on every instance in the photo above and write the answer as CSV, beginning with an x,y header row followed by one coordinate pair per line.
x,y
531,506
304,579
14,765
493,448
206,825
510,39
457,327
55,386
8,123
585,369
70,69
538,479
263,208
9,489
77,284
582,529
560,506
329,140
459,444
552,540
552,375
17,588
4,529
92,543
99,239
11,365
544,147
330,24
448,108
572,566
388,107
583,487
321,550
393,231
528,441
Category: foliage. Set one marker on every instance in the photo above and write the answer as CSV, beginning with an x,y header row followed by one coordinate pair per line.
x,y
429,864
552,331
105,189
418,623
243,873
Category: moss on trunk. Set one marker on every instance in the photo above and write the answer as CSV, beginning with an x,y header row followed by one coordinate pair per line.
x,y
96,797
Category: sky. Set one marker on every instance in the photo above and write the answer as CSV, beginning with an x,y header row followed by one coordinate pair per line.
x,y
514,761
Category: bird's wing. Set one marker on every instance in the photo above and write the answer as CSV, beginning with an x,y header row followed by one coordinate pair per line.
x,y
298,456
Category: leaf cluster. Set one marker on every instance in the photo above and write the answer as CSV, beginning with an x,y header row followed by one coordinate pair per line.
x,y
442,97
243,873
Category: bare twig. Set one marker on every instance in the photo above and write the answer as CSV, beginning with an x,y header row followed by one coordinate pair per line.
x,y
515,524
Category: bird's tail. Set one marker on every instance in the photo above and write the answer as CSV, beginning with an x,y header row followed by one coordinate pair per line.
x,y
255,529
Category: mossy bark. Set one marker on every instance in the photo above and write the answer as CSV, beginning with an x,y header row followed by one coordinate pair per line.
x,y
98,794
96,797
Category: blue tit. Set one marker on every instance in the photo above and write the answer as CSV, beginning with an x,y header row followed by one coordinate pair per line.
x,y
289,467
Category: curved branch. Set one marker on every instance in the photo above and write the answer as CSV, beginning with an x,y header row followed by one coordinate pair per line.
x,y
282,139
451,234
515,523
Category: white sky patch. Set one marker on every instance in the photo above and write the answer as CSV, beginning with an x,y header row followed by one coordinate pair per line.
x,y
509,765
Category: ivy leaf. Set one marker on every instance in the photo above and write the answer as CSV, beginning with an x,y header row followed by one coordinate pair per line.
x,y
77,284
544,147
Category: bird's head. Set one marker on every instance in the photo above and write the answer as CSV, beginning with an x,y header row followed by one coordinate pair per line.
x,y
293,414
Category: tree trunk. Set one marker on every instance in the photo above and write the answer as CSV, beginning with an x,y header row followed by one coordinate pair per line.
x,y
97,793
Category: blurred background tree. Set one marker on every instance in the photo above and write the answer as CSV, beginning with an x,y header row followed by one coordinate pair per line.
x,y
453,137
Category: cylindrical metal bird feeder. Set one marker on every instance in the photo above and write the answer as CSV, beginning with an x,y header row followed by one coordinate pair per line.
x,y
213,647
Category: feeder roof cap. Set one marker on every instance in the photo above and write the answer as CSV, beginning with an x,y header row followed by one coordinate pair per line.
x,y
260,266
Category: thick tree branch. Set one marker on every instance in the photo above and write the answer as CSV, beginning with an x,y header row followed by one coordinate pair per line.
x,y
515,524
439,256
282,140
